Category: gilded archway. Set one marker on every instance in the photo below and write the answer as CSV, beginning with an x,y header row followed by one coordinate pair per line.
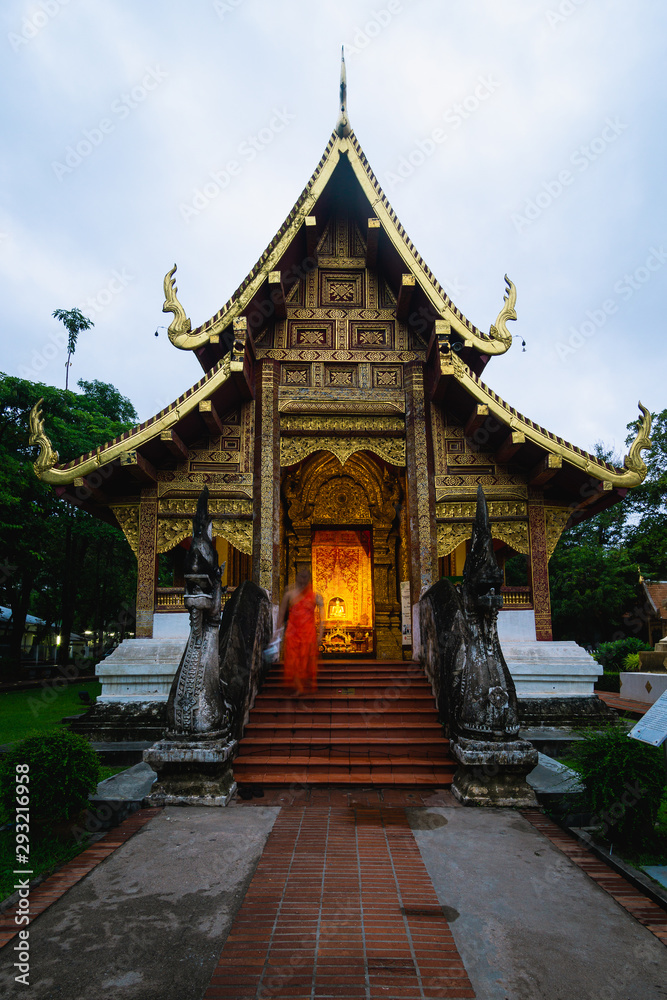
x,y
321,492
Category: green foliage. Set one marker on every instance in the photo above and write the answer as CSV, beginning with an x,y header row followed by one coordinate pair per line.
x,y
64,770
632,662
45,543
108,400
609,682
594,571
591,588
646,506
624,783
612,655
516,571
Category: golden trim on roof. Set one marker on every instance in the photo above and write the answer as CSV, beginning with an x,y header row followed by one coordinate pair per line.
x,y
634,470
47,459
497,341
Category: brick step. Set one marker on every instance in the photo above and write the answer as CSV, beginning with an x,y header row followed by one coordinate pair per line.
x,y
320,733
319,775
374,701
393,719
276,672
371,722
379,681
435,749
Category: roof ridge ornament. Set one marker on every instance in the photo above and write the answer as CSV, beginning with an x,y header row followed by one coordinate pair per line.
x,y
633,461
47,457
499,329
343,127
180,326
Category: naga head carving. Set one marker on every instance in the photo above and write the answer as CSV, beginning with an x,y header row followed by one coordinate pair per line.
x,y
201,562
482,577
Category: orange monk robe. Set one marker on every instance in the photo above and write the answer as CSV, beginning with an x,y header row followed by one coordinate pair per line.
x,y
300,644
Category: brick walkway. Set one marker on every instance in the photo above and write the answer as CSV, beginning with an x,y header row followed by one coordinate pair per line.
x,y
49,891
623,704
643,909
340,905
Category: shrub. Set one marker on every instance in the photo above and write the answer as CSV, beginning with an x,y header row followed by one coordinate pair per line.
x,y
612,654
608,682
631,662
64,769
624,782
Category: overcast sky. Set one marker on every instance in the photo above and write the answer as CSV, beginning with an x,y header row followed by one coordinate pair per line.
x,y
549,165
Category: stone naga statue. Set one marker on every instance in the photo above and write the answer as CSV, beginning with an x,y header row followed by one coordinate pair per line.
x,y
475,691
196,706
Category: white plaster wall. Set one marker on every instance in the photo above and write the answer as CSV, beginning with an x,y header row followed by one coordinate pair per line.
x,y
636,686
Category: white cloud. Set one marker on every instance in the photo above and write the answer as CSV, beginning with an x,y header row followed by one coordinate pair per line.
x,y
120,207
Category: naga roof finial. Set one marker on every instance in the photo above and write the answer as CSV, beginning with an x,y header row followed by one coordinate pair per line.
x,y
343,126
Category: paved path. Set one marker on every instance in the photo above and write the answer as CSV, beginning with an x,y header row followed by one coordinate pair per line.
x,y
473,901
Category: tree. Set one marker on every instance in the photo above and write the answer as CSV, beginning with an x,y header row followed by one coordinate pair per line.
x,y
54,554
74,322
594,571
646,506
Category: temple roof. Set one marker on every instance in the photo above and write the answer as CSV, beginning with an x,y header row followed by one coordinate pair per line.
x,y
455,357
291,243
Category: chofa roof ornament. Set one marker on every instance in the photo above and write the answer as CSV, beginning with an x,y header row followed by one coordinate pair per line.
x,y
343,127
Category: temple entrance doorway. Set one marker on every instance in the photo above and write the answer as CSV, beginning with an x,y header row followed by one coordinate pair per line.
x,y
347,523
343,575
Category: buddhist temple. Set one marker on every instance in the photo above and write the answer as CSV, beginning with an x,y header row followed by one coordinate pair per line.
x,y
343,422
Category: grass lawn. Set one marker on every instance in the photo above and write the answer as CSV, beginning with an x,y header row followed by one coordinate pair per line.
x,y
24,713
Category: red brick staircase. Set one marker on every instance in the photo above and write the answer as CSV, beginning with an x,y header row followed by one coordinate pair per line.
x,y
371,722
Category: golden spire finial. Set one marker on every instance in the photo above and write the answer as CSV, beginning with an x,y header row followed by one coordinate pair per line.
x,y
343,126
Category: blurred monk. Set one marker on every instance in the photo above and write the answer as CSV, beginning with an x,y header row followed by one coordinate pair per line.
x,y
302,638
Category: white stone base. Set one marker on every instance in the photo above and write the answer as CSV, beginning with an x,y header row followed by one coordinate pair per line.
x,y
140,670
516,626
550,669
171,625
634,686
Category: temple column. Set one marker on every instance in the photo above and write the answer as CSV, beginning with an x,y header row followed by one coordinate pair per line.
x,y
539,565
421,493
146,563
266,501
387,611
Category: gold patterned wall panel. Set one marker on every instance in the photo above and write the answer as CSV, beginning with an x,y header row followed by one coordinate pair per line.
x,y
556,519
512,533
467,509
294,449
128,520
174,530
451,535
341,423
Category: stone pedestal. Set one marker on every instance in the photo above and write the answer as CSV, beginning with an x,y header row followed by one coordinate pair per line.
x,y
192,772
493,773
